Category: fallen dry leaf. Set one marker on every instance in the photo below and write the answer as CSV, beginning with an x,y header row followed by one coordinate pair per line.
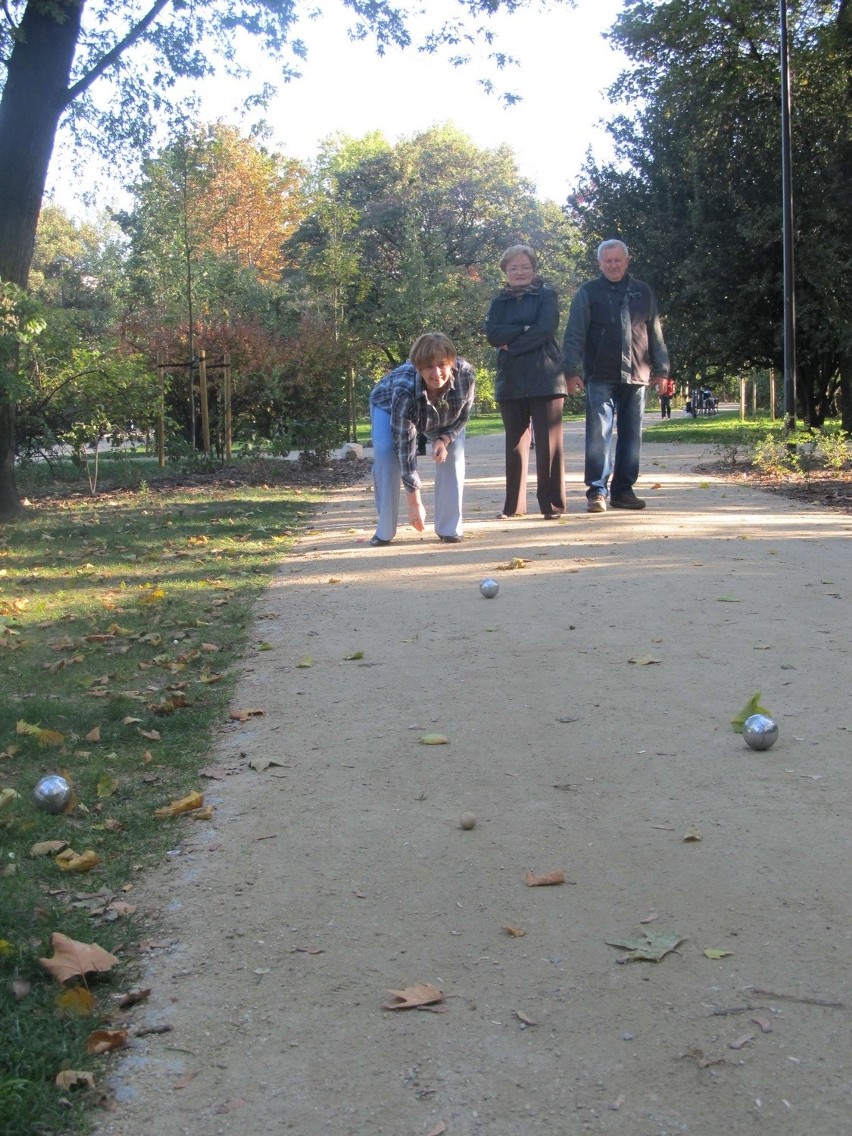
x,y
72,959
644,660
94,735
184,805
258,764
244,715
692,837
421,994
105,1041
132,997
548,879
439,1129
704,1062
214,772
513,565
762,1021
71,861
514,932
151,735
122,909
48,847
649,947
74,1079
741,1041
107,787
20,988
434,740
185,1080
202,814
77,1001
522,1017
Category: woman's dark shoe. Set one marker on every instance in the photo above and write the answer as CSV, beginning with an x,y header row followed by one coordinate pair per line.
x,y
377,542
450,539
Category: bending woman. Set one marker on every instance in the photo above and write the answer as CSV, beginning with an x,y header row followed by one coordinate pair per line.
x,y
430,394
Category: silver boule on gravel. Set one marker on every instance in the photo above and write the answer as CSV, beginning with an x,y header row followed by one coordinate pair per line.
x,y
760,732
52,793
489,588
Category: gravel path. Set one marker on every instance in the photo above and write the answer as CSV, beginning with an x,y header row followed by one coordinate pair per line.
x,y
587,710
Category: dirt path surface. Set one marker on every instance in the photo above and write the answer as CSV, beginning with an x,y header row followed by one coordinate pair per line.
x,y
588,710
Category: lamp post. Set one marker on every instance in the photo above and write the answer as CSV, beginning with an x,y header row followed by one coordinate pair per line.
x,y
787,213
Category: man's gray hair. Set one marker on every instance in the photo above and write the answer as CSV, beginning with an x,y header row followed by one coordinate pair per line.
x,y
604,246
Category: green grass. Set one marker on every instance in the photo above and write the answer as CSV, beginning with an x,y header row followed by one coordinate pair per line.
x,y
724,428
123,621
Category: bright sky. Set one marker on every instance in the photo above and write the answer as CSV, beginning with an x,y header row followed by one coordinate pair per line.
x,y
565,65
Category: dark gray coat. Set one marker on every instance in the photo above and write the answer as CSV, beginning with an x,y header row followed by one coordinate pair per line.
x,y
526,325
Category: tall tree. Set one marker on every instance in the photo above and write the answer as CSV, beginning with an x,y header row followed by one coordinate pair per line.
x,y
425,223
54,52
696,191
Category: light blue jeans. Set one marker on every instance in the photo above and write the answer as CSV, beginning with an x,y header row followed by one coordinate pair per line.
x,y
387,479
620,405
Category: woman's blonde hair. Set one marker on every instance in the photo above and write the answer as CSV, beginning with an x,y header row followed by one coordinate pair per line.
x,y
516,250
430,348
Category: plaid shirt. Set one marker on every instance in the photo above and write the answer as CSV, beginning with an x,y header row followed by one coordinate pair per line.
x,y
402,394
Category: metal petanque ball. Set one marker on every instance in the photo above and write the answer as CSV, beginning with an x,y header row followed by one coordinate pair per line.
x,y
489,588
52,793
760,732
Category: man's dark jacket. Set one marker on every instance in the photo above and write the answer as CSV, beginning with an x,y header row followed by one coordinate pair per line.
x,y
608,319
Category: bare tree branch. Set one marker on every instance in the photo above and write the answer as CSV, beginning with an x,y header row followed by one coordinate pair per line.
x,y
115,53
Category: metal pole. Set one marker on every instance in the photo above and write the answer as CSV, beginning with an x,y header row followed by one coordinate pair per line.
x,y
787,212
203,399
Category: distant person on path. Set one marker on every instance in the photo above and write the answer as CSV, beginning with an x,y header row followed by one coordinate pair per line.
x,y
614,340
530,389
431,394
665,405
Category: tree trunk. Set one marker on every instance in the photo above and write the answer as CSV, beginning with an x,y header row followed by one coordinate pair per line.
x,y
34,98
846,391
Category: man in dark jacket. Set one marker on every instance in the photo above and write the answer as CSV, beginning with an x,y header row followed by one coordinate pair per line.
x,y
614,340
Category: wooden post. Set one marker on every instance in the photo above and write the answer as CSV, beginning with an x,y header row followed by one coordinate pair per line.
x,y
772,393
161,412
227,396
742,399
202,394
754,398
350,400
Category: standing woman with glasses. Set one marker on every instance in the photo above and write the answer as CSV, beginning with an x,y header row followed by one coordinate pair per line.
x,y
530,386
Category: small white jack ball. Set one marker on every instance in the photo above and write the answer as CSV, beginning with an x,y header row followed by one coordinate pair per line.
x,y
489,588
467,821
760,732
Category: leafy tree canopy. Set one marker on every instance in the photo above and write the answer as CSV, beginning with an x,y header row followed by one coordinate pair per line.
x,y
695,190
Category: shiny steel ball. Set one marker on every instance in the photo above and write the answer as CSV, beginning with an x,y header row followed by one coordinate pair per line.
x,y
52,793
760,732
489,588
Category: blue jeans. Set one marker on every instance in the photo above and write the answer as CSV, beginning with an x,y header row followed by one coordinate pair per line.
x,y
607,405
